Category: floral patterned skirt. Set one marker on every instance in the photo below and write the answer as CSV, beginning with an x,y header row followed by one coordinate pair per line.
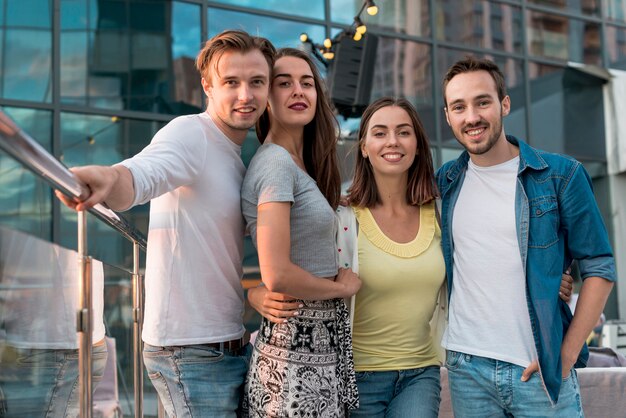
x,y
304,367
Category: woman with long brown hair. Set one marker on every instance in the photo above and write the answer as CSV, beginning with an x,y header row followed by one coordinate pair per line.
x,y
299,367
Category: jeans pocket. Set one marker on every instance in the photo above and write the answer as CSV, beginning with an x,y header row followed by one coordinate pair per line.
x,y
568,377
160,384
453,360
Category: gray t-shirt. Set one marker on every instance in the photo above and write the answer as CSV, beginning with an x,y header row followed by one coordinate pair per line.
x,y
273,176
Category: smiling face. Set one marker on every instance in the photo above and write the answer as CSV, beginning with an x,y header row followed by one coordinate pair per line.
x,y
390,142
237,92
293,96
475,113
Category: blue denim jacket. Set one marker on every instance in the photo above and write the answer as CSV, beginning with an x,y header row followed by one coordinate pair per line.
x,y
557,221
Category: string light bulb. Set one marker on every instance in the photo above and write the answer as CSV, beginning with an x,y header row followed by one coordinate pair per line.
x,y
360,26
328,43
304,37
372,9
357,36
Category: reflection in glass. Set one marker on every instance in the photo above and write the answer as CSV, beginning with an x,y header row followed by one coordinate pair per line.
x,y
29,13
481,24
567,111
25,200
25,73
515,122
561,38
616,10
403,69
616,46
411,17
313,8
127,54
39,293
103,140
588,7
546,111
281,32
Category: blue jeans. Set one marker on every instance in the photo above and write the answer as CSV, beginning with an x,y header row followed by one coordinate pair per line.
x,y
399,393
483,387
197,380
44,382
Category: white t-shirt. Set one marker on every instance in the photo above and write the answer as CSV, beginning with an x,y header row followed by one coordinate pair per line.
x,y
192,173
488,314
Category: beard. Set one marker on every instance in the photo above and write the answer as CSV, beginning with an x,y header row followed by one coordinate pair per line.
x,y
482,147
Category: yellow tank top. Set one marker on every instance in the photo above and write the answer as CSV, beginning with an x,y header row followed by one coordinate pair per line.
x,y
398,296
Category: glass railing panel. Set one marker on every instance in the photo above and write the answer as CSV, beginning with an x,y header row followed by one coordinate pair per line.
x,y
39,299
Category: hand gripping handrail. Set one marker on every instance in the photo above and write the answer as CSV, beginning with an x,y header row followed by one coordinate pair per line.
x,y
30,153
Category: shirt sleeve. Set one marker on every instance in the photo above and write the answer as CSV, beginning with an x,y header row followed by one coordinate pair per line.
x,y
173,159
586,235
275,177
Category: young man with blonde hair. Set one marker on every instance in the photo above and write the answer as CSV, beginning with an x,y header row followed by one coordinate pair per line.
x,y
191,173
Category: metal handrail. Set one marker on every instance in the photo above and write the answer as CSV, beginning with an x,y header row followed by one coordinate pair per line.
x,y
29,152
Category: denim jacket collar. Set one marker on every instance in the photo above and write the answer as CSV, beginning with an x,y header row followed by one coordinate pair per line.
x,y
529,158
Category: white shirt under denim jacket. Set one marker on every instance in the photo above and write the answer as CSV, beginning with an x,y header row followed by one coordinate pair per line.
x,y
349,258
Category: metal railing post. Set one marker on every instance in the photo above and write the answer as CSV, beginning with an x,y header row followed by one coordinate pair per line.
x,y
84,320
137,327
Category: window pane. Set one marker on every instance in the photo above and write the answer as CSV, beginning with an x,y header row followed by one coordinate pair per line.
x,y
546,94
25,200
281,32
310,8
567,111
403,69
135,55
94,139
74,67
411,17
559,37
26,75
482,24
75,14
616,10
515,122
616,46
29,13
587,7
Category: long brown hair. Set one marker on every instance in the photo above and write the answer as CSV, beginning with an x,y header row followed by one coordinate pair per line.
x,y
421,186
320,135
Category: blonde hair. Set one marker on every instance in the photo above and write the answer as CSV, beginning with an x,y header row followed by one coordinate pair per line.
x,y
232,40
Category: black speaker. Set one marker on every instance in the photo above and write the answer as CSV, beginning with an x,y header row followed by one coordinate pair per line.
x,y
350,74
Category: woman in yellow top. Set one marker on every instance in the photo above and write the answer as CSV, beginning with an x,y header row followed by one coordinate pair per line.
x,y
394,245
400,264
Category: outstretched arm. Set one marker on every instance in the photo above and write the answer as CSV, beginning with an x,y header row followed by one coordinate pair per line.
x,y
110,185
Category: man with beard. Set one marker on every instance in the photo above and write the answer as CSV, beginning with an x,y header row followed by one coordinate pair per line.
x,y
192,173
514,218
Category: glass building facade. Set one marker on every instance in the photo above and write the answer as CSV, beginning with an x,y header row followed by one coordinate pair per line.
x,y
93,80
